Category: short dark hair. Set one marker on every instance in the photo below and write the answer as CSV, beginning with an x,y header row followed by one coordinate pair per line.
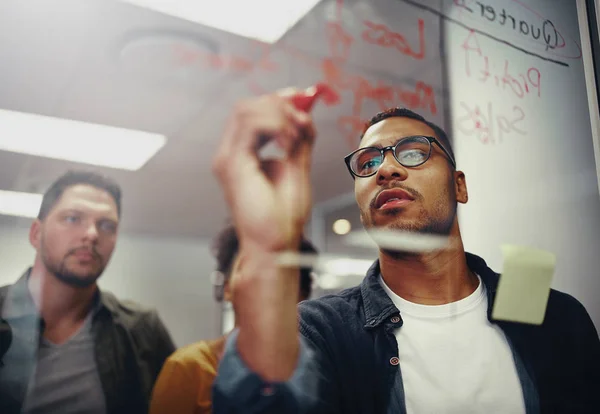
x,y
71,178
226,246
407,113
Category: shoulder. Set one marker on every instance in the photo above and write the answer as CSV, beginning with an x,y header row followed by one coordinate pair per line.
x,y
561,307
564,310
3,291
14,291
3,294
198,353
197,362
567,328
131,314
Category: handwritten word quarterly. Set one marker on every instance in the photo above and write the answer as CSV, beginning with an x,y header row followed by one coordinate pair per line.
x,y
544,30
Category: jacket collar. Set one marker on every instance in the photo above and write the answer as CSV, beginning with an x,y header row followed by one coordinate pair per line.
x,y
19,302
379,307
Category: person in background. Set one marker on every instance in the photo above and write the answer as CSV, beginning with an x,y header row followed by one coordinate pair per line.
x,y
76,348
418,334
184,385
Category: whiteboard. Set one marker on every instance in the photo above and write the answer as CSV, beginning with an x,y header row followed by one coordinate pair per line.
x,y
522,134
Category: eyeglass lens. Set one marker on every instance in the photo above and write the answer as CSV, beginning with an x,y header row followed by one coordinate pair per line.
x,y
409,152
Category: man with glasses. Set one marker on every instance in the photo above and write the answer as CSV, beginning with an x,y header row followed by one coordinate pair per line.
x,y
417,335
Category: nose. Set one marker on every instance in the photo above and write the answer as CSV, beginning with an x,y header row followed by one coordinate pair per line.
x,y
391,169
91,232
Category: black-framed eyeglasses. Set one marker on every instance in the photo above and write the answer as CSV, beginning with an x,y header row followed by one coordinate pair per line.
x,y
409,152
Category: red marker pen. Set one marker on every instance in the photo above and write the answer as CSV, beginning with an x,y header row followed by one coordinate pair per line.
x,y
306,100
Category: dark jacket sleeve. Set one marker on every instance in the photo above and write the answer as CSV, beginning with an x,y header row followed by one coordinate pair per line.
x,y
564,354
311,389
237,389
584,356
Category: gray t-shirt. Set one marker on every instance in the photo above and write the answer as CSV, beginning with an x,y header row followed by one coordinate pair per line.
x,y
66,378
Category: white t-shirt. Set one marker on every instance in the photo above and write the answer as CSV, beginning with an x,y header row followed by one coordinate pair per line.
x,y
453,360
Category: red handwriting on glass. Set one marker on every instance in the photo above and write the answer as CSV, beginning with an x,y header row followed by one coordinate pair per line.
x,y
339,41
351,128
186,56
379,34
264,61
488,127
421,96
477,65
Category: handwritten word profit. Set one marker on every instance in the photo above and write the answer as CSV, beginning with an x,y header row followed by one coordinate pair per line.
x,y
520,84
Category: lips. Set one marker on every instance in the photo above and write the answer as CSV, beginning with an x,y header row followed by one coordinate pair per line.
x,y
392,197
85,255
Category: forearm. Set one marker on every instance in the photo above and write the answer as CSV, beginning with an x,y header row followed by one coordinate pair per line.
x,y
237,389
266,315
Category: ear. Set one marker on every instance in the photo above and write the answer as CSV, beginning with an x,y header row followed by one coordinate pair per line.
x,y
460,187
35,234
226,292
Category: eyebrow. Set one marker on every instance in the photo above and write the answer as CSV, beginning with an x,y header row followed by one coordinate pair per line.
x,y
80,212
70,211
397,140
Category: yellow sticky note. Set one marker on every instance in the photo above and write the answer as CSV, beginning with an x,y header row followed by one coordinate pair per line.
x,y
524,285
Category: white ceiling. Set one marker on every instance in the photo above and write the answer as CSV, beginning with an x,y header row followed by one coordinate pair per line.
x,y
109,62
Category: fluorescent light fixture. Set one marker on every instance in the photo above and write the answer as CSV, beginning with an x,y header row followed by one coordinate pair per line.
x,y
264,20
77,141
13,203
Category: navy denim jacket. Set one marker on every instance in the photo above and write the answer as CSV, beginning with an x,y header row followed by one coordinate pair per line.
x,y
348,343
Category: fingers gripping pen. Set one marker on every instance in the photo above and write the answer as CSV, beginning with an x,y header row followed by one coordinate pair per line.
x,y
306,100
303,101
